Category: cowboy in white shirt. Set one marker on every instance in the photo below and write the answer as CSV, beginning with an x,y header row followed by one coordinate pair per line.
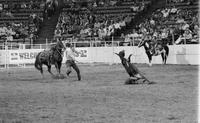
x,y
70,60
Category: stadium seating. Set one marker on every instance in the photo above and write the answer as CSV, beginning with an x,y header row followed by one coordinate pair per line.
x,y
98,22
101,21
21,16
176,23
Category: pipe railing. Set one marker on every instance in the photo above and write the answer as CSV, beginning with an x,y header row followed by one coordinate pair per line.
x,y
91,43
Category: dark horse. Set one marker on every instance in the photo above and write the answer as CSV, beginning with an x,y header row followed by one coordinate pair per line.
x,y
154,50
49,57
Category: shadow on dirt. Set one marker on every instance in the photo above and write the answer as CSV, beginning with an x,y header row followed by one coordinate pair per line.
x,y
139,83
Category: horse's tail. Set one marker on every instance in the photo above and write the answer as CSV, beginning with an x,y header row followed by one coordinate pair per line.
x,y
37,62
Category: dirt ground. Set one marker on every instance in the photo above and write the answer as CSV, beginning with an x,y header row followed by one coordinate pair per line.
x,y
101,96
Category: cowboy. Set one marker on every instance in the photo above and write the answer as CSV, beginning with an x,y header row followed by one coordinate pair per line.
x,y
70,60
158,48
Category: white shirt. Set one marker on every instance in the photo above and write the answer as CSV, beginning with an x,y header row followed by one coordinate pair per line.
x,y
71,54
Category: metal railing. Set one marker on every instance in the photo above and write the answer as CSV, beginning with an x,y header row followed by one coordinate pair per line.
x,y
91,43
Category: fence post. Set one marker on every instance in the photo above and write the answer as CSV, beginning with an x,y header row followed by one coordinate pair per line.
x,y
90,43
184,40
31,42
46,42
112,41
173,42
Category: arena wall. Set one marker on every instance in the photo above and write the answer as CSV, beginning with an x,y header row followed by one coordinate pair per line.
x,y
178,54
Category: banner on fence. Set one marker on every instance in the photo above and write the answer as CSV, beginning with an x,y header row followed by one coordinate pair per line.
x,y
29,55
22,56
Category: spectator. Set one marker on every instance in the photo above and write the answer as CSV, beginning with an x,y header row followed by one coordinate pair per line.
x,y
57,33
9,14
173,10
185,26
185,38
187,35
5,6
165,12
23,5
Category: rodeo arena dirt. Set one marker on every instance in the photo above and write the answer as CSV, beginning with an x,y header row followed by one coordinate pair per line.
x,y
102,96
99,61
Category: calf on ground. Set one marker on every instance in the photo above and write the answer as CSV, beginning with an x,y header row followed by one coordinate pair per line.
x,y
133,72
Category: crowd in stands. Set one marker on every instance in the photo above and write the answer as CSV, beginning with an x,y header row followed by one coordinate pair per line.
x,y
97,21
167,25
100,19
13,31
15,27
13,7
179,1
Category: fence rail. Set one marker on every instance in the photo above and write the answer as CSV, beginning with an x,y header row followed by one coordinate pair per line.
x,y
89,43
17,46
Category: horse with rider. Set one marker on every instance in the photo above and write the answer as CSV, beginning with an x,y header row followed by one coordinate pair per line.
x,y
154,47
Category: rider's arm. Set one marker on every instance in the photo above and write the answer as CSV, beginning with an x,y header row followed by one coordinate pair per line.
x,y
75,51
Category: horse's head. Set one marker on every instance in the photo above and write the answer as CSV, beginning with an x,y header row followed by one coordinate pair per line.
x,y
60,46
141,43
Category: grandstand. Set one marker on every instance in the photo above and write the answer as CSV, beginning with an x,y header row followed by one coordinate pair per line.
x,y
20,21
95,21
99,29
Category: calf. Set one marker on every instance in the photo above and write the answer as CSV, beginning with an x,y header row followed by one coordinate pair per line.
x,y
133,72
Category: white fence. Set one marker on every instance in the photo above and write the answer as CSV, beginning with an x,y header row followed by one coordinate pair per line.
x,y
178,54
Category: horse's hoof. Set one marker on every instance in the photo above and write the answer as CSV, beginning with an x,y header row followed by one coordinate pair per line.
x,y
61,76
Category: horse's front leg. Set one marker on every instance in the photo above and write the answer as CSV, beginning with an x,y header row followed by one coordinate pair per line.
x,y
58,66
150,59
163,57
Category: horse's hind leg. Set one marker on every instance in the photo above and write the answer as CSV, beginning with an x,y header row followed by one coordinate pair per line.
x,y
150,59
163,58
59,66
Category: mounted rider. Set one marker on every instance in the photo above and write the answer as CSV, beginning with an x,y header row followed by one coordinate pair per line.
x,y
152,42
156,45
